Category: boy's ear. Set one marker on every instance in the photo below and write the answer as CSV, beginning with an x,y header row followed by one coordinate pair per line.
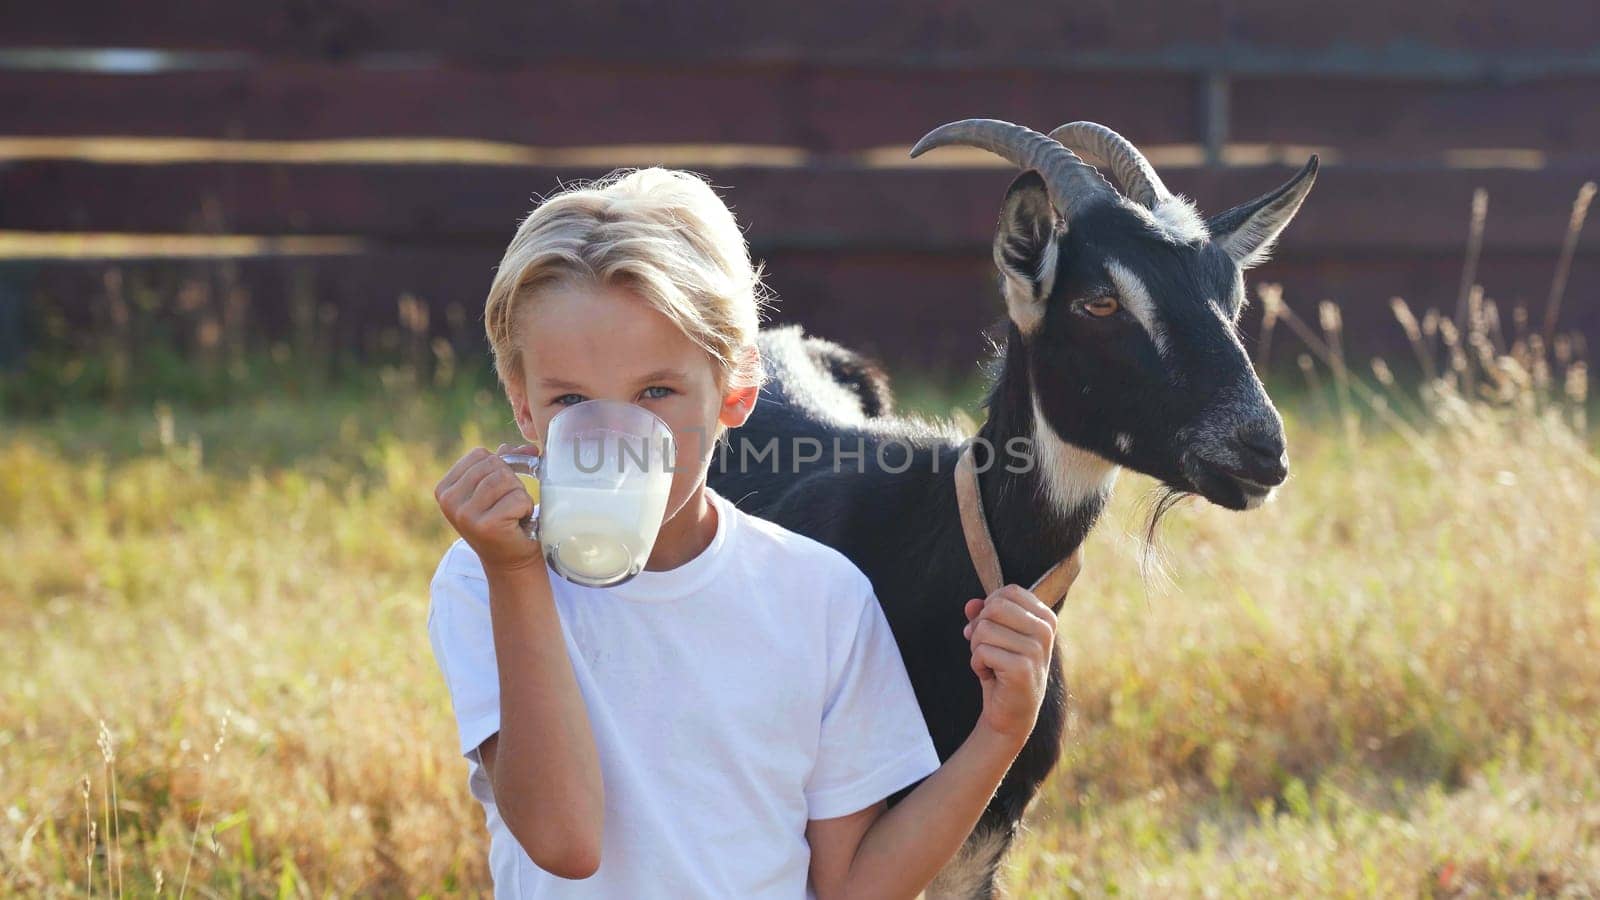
x,y
737,405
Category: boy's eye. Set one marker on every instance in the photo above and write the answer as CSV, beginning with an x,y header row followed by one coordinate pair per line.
x,y
655,392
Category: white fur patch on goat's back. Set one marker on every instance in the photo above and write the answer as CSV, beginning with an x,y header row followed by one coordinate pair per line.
x,y
1071,475
1136,297
806,384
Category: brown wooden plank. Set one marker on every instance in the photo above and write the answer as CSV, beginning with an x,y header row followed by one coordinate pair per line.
x,y
1359,29
816,109
922,208
914,310
1396,118
812,108
890,32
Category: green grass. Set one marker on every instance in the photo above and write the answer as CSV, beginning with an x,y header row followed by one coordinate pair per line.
x,y
1384,683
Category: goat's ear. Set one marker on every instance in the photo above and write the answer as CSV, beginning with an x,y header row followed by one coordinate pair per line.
x,y
1246,232
1025,249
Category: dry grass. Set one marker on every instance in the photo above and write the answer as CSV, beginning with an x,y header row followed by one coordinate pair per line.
x,y
1385,681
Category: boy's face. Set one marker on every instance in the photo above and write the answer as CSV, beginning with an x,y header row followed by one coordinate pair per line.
x,y
595,342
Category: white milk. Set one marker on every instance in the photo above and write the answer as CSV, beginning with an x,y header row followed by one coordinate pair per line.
x,y
600,534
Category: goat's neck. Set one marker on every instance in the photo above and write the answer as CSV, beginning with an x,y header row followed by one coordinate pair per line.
x,y
1039,515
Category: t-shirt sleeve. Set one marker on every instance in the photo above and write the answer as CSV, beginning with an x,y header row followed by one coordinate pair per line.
x,y
462,636
874,740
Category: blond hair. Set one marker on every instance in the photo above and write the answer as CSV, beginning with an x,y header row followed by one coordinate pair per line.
x,y
664,234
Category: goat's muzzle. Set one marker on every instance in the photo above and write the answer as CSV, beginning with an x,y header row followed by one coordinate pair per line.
x,y
1238,470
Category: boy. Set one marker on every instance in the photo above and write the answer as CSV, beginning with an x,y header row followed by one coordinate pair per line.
x,y
729,722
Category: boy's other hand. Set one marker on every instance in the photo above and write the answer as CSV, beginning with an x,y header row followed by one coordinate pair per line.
x,y
1012,633
485,502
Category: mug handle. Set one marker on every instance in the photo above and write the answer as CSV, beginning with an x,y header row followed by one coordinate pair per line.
x,y
526,464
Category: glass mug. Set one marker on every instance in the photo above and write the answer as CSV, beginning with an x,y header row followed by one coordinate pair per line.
x,y
603,484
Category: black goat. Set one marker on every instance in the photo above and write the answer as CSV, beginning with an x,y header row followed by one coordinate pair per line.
x,y
1121,350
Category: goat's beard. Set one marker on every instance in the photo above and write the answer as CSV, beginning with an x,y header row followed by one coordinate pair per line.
x,y
1160,500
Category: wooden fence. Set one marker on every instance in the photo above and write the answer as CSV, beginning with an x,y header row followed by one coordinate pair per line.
x,y
345,152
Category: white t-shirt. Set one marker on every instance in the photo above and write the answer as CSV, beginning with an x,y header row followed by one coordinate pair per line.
x,y
733,698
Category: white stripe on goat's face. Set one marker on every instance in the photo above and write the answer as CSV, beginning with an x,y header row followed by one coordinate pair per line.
x,y
1224,317
1070,474
1136,297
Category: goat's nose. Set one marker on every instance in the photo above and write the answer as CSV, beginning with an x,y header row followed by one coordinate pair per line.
x,y
1264,452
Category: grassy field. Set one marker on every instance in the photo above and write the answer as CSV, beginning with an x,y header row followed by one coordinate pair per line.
x,y
1387,682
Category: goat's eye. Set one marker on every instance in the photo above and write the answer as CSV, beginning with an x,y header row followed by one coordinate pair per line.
x,y
1102,306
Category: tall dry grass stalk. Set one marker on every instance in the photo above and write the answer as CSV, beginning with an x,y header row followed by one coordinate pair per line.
x,y
1569,246
1469,269
88,820
200,813
1269,324
108,756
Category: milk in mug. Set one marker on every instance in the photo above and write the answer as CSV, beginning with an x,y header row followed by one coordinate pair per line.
x,y
596,531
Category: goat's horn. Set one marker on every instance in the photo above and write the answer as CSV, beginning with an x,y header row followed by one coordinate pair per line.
x,y
1071,181
1102,147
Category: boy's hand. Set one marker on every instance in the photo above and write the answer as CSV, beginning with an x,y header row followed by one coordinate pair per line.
x,y
485,502
1013,634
